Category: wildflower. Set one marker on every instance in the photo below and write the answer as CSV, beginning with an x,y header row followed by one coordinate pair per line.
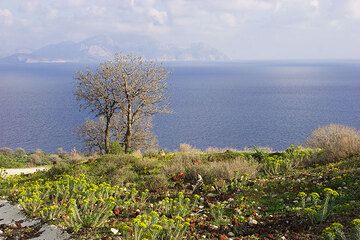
x,y
331,192
337,226
356,222
315,195
157,227
302,195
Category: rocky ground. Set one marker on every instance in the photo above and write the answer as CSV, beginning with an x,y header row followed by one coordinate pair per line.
x,y
15,225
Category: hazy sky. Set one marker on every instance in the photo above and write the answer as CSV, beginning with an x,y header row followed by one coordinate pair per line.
x,y
243,29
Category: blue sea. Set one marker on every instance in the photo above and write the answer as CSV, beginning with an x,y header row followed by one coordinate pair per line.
x,y
233,104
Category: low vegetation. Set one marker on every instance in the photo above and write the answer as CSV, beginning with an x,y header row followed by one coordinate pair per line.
x,y
298,193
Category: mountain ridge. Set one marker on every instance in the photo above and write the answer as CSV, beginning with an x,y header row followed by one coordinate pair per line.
x,y
100,48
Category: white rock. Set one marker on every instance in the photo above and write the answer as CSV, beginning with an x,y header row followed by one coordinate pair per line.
x,y
114,231
253,221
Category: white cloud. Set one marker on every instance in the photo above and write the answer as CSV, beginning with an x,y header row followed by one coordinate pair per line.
x,y
354,8
159,17
315,4
224,24
6,17
229,19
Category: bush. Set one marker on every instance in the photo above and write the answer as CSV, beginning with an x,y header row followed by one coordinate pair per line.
x,y
182,162
53,158
147,166
59,169
338,141
156,183
225,170
224,156
20,152
116,148
36,159
187,148
61,152
115,169
6,151
75,157
12,162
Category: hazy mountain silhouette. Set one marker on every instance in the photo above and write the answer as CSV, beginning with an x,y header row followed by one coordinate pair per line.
x,y
100,48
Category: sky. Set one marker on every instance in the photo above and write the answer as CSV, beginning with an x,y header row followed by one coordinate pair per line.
x,y
242,29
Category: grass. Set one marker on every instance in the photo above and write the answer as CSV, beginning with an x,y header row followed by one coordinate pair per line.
x,y
217,194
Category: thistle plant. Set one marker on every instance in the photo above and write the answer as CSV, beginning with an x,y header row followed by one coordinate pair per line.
x,y
315,209
152,227
356,228
74,202
302,196
179,206
334,231
218,215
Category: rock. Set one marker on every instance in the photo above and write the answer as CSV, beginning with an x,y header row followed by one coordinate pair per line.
x,y
223,237
114,231
253,221
12,216
213,227
211,195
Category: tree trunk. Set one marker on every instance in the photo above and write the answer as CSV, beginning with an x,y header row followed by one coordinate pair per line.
x,y
128,139
107,136
128,130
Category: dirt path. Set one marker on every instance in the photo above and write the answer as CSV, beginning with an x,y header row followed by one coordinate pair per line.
x,y
17,171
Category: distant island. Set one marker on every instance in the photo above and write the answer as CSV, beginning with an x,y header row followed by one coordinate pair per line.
x,y
100,48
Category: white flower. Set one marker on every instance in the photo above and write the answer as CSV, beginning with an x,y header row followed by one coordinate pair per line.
x,y
114,231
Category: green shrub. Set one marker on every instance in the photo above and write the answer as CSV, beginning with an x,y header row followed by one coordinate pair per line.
x,y
59,169
224,156
116,148
147,166
292,157
155,183
115,169
10,161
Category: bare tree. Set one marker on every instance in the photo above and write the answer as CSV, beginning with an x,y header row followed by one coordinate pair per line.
x,y
128,86
142,137
96,91
92,133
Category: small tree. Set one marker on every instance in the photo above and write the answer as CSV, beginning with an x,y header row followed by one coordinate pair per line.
x,y
96,91
92,133
127,91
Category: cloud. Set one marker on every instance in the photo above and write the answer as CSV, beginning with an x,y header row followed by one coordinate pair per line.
x,y
159,17
6,17
240,28
315,4
354,8
229,19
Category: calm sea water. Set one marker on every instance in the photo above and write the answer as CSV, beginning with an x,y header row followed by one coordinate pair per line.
x,y
215,104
